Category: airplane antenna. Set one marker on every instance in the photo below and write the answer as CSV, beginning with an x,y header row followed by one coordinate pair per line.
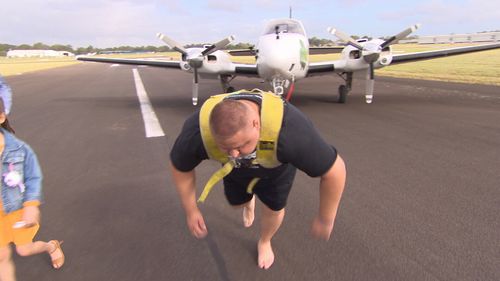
x,y
290,11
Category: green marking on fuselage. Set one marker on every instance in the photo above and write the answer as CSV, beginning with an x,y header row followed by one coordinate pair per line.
x,y
304,55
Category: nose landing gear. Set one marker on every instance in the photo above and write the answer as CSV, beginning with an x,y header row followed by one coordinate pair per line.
x,y
345,89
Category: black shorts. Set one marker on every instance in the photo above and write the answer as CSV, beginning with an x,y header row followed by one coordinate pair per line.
x,y
272,189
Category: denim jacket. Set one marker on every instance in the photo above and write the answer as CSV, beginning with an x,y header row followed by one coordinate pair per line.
x,y
18,157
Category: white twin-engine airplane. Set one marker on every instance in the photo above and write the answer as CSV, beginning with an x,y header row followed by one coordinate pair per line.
x,y
282,58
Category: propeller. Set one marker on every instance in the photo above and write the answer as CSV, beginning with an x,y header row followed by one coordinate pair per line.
x,y
344,37
370,52
219,45
394,39
172,44
195,57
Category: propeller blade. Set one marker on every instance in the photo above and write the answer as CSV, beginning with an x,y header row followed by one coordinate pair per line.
x,y
370,84
172,44
195,75
219,45
372,72
195,86
394,39
344,37
195,94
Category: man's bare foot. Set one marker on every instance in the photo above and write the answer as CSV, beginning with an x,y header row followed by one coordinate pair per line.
x,y
266,254
249,213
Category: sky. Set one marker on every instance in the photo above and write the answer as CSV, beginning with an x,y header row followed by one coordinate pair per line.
x,y
113,23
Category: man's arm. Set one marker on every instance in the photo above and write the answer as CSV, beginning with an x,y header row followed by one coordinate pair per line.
x,y
186,187
331,188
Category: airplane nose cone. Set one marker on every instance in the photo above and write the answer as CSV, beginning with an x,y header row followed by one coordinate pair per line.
x,y
277,56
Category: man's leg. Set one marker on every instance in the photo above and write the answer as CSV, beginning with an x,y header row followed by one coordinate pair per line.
x,y
7,270
249,212
270,223
238,197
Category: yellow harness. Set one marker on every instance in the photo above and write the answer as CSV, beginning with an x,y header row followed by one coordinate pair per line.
x,y
271,117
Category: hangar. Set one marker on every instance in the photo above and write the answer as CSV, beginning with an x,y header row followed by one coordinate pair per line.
x,y
38,53
456,38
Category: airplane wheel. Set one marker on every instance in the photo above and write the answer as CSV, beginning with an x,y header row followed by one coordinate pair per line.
x,y
342,94
230,90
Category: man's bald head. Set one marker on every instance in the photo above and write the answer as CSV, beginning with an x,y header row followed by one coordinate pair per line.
x,y
228,117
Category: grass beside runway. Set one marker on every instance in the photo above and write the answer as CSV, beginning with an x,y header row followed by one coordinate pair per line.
x,y
479,68
476,68
15,66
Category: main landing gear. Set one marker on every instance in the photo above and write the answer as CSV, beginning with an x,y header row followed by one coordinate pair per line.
x,y
224,81
345,89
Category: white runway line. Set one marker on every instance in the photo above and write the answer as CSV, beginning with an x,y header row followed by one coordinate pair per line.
x,y
151,123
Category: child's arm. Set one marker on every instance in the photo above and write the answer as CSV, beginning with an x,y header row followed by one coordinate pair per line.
x,y
33,185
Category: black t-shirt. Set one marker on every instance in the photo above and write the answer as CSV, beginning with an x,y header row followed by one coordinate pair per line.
x,y
299,144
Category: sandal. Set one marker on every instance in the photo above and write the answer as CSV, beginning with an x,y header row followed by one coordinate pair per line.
x,y
58,262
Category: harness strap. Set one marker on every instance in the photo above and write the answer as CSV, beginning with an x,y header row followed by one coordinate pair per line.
x,y
208,140
252,184
271,119
215,178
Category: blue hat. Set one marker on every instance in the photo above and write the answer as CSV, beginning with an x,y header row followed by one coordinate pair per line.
x,y
6,95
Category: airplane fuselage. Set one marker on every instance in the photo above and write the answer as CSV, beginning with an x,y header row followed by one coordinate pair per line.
x,y
283,51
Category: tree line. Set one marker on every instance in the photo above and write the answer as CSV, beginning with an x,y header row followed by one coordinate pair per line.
x,y
4,48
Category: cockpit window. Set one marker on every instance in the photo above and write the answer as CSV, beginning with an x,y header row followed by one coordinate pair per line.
x,y
289,27
281,28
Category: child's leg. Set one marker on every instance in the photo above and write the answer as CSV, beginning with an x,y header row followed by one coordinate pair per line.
x,y
34,248
6,265
37,247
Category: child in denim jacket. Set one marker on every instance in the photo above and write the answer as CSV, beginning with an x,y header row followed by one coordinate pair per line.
x,y
21,192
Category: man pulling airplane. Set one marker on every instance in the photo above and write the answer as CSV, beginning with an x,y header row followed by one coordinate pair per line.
x,y
261,140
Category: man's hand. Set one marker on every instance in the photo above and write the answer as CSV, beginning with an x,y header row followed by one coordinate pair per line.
x,y
321,229
185,185
196,224
31,215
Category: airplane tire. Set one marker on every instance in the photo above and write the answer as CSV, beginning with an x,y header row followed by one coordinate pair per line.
x,y
342,94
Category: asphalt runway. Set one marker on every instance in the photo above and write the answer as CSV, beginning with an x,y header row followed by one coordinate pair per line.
x,y
422,200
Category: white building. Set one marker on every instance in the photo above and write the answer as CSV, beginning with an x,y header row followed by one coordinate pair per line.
x,y
37,53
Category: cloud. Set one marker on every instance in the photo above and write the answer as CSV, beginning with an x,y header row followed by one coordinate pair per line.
x,y
109,23
224,5
98,22
439,16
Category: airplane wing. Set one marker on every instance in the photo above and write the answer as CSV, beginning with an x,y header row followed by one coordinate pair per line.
x,y
148,62
340,66
239,68
403,58
312,51
243,52
246,69
325,50
325,67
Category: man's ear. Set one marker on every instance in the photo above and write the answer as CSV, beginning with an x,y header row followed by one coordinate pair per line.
x,y
2,117
256,124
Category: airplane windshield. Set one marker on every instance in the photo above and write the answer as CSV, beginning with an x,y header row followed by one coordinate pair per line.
x,y
289,27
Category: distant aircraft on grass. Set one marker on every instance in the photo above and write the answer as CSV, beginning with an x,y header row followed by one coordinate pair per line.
x,y
282,58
